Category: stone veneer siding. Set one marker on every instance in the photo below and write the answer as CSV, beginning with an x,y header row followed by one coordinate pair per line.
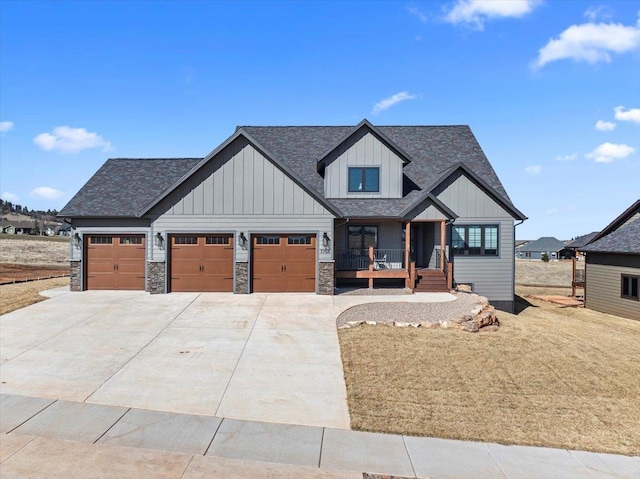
x,y
242,278
156,280
75,271
326,278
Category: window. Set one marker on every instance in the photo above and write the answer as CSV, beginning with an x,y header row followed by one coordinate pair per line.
x,y
131,240
362,237
364,179
299,240
185,240
629,287
217,240
101,240
268,240
475,240
527,254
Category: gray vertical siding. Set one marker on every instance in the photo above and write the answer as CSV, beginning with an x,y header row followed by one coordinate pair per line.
x,y
239,181
363,150
603,285
491,276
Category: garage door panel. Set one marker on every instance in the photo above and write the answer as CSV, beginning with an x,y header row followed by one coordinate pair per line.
x,y
115,262
202,263
284,263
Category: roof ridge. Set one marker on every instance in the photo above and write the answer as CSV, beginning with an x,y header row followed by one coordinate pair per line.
x,y
351,126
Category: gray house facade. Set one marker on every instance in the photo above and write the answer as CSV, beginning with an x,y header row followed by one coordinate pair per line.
x,y
613,267
548,245
300,209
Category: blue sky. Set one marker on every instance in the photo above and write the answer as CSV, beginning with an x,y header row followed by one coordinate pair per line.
x,y
551,89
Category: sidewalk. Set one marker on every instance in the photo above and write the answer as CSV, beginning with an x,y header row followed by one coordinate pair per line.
x,y
110,441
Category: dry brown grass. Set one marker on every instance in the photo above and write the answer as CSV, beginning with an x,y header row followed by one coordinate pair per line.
x,y
33,250
565,378
553,273
21,295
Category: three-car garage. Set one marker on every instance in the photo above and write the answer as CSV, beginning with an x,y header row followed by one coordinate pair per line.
x,y
203,262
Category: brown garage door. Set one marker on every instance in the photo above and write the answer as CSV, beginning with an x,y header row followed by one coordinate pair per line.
x,y
284,263
202,263
115,261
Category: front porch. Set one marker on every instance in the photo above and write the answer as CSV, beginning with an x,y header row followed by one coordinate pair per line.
x,y
412,252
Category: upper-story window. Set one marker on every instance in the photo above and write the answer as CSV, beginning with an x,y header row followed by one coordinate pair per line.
x,y
364,179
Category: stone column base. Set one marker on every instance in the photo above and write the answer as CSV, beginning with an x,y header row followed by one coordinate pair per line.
x,y
242,278
75,272
156,280
326,278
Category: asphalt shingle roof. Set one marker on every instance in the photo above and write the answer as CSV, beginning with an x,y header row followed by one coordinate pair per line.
x,y
625,239
123,187
546,243
581,241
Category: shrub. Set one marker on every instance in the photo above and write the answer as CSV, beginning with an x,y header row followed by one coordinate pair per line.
x,y
545,257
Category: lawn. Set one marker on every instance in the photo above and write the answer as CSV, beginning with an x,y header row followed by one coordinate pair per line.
x,y
21,295
564,378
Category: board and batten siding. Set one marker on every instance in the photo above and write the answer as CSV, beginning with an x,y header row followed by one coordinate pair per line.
x,y
491,276
110,226
363,149
240,190
603,285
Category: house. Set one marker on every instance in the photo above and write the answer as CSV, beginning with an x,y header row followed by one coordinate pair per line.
x,y
65,229
613,266
548,245
291,209
16,227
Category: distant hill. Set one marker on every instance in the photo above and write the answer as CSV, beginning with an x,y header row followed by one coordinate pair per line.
x,y
14,212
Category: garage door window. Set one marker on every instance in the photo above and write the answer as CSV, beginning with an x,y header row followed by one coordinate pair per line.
x,y
299,240
101,239
217,240
185,240
131,240
268,240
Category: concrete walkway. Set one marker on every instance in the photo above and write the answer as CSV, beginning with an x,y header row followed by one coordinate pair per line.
x,y
47,438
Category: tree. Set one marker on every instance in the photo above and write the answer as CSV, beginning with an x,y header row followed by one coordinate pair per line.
x,y
545,257
36,227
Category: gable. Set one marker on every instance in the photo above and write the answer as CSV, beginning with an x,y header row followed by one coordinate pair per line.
x,y
239,180
363,148
464,196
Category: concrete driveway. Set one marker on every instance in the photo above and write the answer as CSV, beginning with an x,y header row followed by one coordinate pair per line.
x,y
265,357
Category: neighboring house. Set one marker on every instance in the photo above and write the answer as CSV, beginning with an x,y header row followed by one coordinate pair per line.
x,y
16,227
536,249
613,266
300,209
65,230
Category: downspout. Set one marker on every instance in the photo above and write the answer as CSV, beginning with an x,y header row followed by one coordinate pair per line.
x,y
513,281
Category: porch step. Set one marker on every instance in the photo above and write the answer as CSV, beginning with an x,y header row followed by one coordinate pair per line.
x,y
431,281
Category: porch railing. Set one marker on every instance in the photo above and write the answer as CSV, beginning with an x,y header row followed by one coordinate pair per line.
x,y
579,276
446,266
359,259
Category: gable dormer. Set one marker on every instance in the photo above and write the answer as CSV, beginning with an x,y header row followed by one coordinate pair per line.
x,y
365,163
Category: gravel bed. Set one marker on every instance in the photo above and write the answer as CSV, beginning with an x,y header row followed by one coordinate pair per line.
x,y
387,313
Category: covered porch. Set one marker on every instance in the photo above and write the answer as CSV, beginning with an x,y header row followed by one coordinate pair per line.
x,y
412,252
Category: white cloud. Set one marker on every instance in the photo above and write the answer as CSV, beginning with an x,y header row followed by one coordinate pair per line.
x,y
570,157
46,192
476,12
70,140
607,152
5,126
632,114
533,169
605,125
417,13
600,12
590,42
9,197
387,103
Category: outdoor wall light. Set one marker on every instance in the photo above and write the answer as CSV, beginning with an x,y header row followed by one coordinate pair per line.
x,y
325,239
243,239
159,240
77,241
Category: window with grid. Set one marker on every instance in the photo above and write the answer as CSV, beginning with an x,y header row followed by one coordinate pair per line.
x,y
268,240
475,240
185,240
131,240
299,239
220,239
101,240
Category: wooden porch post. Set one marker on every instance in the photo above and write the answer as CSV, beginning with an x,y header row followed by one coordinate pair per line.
x,y
443,241
407,254
573,275
371,267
